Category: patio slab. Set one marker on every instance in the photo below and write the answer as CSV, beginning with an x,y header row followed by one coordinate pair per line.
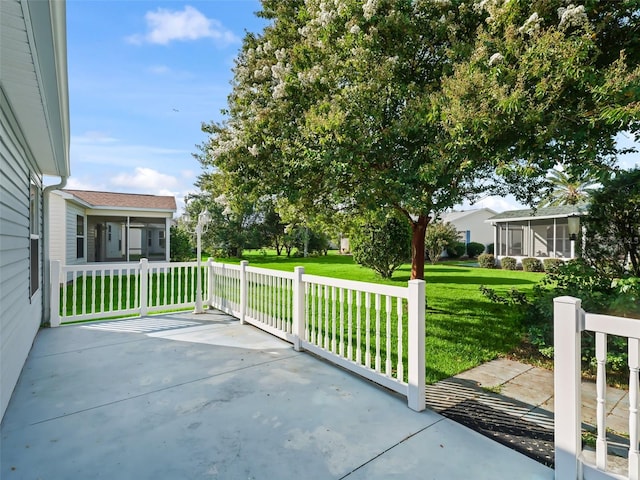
x,y
210,398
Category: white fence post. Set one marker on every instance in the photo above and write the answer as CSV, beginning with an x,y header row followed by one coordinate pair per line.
x,y
54,285
567,328
243,290
298,308
416,389
209,301
144,286
634,419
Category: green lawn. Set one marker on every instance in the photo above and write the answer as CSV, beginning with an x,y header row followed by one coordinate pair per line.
x,y
464,329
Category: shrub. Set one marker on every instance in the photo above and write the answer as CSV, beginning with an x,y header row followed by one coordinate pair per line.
x,y
474,249
439,236
551,264
487,260
382,245
456,250
531,265
180,248
508,263
490,249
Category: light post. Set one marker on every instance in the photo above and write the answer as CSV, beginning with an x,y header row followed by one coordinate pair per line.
x,y
203,219
573,227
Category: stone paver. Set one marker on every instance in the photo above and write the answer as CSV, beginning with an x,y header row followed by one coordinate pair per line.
x,y
524,394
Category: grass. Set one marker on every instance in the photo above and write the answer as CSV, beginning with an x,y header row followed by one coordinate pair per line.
x,y
463,328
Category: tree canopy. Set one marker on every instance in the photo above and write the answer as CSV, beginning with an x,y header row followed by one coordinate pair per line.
x,y
416,105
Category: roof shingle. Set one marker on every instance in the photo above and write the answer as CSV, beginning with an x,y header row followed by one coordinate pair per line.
x,y
125,200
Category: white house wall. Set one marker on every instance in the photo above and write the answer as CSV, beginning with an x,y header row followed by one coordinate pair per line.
x,y
57,227
20,315
475,222
71,214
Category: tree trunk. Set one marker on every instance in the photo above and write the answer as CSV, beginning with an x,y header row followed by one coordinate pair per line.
x,y
418,229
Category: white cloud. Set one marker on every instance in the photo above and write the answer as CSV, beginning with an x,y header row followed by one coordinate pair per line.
x,y
164,26
146,179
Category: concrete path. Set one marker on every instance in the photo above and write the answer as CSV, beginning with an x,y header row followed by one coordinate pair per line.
x,y
513,403
188,397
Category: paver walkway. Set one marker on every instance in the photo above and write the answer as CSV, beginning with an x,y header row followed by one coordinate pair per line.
x,y
512,403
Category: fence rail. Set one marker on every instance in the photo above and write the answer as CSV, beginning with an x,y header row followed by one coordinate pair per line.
x,y
376,331
569,323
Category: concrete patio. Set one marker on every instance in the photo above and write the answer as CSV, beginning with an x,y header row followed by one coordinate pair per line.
x,y
201,396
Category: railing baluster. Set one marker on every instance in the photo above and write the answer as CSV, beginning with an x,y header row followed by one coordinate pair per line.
x,y
84,292
378,358
103,282
367,354
400,368
387,369
312,292
334,301
601,399
358,327
350,325
341,322
93,291
74,293
326,317
64,292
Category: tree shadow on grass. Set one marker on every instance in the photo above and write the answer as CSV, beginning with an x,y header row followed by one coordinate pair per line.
x,y
473,280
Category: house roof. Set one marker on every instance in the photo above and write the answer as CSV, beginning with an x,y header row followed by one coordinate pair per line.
x,y
453,216
549,212
33,75
124,200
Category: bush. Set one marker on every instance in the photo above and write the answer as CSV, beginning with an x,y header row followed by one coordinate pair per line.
x,y
490,249
180,248
382,245
531,265
439,237
552,264
508,263
487,260
474,249
456,250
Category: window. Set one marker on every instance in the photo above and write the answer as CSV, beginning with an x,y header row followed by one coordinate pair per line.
x,y
161,236
34,235
79,236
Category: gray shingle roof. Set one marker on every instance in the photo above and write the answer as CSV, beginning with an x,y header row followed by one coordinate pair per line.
x,y
125,200
561,211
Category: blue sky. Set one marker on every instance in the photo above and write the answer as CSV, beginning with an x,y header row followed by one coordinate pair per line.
x,y
143,76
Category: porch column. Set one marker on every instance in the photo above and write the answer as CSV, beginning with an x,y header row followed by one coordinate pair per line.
x,y
555,239
496,245
126,238
167,239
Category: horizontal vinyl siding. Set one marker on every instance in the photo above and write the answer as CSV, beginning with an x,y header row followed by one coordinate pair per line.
x,y
72,212
57,224
20,315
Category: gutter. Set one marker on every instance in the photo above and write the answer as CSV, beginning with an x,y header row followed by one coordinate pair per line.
x,y
46,291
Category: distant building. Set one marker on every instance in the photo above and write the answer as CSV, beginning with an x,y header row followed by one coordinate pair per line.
x,y
91,226
472,225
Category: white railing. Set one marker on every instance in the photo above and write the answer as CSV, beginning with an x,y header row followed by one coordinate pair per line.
x,y
376,331
569,322
86,292
360,326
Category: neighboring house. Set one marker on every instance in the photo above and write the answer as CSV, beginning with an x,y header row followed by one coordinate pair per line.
x,y
34,141
472,225
109,227
544,233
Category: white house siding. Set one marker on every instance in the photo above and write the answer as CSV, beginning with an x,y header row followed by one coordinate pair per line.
x,y
473,221
20,314
57,227
71,253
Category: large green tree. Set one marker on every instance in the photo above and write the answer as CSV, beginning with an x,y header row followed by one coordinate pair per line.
x,y
416,105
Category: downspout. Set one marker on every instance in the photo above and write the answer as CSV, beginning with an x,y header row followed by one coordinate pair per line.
x,y
46,291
